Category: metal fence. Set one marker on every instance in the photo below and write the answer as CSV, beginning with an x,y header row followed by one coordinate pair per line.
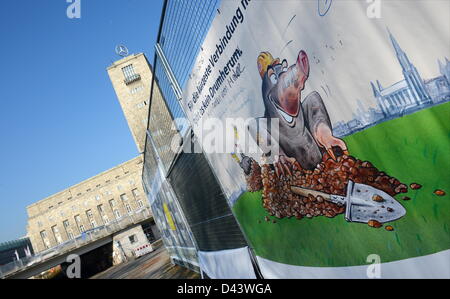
x,y
184,26
203,220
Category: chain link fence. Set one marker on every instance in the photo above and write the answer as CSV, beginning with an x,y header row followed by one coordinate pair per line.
x,y
187,201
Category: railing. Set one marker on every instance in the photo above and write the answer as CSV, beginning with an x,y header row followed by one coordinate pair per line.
x,y
132,78
81,240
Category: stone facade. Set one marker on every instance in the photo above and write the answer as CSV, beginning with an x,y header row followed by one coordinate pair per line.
x,y
131,78
99,200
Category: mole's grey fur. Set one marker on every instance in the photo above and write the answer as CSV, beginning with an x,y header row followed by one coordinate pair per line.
x,y
296,138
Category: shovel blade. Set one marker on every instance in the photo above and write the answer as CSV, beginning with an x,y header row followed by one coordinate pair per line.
x,y
361,207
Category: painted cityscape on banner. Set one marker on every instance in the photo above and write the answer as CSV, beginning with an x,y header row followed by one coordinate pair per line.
x,y
407,96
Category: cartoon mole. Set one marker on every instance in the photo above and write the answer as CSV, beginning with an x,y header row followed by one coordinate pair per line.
x,y
304,125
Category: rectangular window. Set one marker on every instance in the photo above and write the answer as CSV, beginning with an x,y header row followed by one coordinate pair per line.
x,y
68,229
124,197
77,219
137,89
45,239
100,209
133,239
79,223
128,72
140,203
56,234
91,218
112,203
135,192
117,214
128,207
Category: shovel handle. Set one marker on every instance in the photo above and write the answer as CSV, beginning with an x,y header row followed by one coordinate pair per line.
x,y
305,192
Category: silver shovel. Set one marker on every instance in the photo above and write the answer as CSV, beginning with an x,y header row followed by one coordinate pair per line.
x,y
360,203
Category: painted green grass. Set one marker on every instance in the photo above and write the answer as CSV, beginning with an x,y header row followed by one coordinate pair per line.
x,y
414,148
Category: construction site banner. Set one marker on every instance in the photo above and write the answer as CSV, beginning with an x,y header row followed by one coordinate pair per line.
x,y
326,124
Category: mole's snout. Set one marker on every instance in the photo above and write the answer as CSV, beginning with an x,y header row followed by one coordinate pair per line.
x,y
292,82
303,64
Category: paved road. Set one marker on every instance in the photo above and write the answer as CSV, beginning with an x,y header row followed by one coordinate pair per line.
x,y
151,266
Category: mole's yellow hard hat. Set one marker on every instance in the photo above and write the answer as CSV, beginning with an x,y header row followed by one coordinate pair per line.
x,y
264,60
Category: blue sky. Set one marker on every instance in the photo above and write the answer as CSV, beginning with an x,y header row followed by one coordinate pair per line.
x,y
60,121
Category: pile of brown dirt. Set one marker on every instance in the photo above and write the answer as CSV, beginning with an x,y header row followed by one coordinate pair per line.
x,y
330,176
254,182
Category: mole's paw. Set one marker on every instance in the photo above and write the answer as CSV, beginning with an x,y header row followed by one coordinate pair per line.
x,y
326,140
284,165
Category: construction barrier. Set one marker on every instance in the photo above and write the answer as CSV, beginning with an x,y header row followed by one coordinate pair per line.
x,y
302,139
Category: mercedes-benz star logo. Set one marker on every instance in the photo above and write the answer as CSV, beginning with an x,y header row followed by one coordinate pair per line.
x,y
121,50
